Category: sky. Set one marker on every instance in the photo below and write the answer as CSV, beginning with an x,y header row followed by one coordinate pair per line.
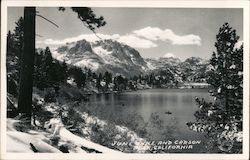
x,y
154,32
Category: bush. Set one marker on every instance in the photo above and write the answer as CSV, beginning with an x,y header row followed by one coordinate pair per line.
x,y
50,95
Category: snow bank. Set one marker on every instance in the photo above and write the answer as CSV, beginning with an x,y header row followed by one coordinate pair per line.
x,y
23,142
58,129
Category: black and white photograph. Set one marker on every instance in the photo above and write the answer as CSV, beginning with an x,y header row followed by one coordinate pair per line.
x,y
124,80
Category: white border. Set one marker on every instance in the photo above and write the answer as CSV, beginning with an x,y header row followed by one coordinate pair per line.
x,y
144,4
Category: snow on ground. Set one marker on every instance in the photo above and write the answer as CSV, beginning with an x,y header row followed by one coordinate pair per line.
x,y
150,65
101,51
71,81
89,63
107,56
58,129
195,85
21,142
58,56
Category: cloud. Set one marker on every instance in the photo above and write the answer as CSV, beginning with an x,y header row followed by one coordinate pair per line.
x,y
136,42
88,37
130,40
154,33
143,38
168,55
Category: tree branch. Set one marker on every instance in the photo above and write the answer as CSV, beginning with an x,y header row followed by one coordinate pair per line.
x,y
47,20
38,35
93,32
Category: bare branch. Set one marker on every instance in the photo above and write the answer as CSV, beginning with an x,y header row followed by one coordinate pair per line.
x,y
96,35
93,31
11,102
47,20
38,35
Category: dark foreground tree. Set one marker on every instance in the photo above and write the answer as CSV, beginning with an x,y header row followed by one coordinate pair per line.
x,y
89,19
27,64
222,120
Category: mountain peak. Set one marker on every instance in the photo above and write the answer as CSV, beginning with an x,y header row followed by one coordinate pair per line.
x,y
169,55
195,60
77,47
104,55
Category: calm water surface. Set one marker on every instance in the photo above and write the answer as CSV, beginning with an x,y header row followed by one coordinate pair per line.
x,y
179,102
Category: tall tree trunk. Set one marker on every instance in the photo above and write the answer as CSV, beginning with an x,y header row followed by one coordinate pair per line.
x,y
27,64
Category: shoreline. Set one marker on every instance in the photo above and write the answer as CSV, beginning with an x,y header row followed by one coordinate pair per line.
x,y
142,89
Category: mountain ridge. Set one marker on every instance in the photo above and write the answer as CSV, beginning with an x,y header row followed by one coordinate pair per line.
x,y
121,59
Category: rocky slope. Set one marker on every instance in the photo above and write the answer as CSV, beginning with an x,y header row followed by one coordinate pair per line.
x,y
121,59
193,69
100,56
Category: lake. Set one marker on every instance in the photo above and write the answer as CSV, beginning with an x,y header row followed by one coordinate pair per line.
x,y
169,109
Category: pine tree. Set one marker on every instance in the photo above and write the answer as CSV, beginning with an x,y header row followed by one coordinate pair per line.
x,y
64,71
48,72
40,74
45,71
151,79
47,57
89,73
49,67
94,76
12,77
227,63
56,79
10,44
18,37
115,88
79,76
121,83
98,81
14,49
108,79
223,120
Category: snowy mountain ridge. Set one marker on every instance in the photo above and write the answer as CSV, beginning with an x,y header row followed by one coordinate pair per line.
x,y
100,56
119,59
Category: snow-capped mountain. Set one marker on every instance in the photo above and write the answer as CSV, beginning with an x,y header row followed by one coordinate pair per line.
x,y
121,59
100,56
162,62
194,69
167,67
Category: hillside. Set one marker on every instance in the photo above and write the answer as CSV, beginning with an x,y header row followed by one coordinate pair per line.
x,y
121,59
100,56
